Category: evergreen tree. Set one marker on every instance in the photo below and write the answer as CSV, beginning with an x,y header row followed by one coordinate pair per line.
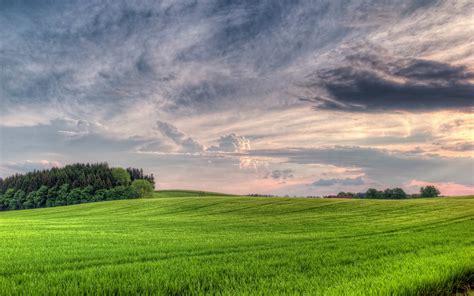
x,y
72,184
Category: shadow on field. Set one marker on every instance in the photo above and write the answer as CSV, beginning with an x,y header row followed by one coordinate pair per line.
x,y
461,283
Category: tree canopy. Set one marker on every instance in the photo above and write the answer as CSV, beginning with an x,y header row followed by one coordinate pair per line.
x,y
397,193
142,187
73,184
429,191
121,176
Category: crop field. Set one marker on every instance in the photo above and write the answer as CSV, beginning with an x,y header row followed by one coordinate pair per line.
x,y
180,244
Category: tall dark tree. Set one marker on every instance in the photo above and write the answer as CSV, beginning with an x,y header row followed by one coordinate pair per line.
x,y
72,184
374,193
398,193
429,191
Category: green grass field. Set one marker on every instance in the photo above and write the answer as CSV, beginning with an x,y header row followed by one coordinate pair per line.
x,y
239,245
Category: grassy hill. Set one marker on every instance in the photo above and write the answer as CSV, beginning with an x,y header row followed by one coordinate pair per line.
x,y
199,244
187,193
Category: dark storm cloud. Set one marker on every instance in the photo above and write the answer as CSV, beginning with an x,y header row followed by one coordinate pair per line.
x,y
370,83
424,70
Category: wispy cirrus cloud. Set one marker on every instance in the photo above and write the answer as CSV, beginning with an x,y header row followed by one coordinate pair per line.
x,y
184,57
231,86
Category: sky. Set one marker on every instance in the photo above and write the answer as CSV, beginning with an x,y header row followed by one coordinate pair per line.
x,y
269,97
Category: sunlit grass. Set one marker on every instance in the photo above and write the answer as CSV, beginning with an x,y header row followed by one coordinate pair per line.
x,y
239,245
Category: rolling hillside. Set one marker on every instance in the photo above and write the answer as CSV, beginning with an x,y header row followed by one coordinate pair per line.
x,y
197,244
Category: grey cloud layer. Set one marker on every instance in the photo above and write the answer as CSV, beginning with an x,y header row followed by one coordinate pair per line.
x,y
396,168
367,83
344,182
280,175
28,166
196,57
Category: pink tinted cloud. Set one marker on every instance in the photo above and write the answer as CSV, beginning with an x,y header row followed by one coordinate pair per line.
x,y
448,188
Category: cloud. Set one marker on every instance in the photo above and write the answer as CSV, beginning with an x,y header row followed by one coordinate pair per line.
x,y
42,141
22,116
176,141
366,82
343,182
231,143
183,57
213,71
186,144
451,125
29,165
446,188
279,175
460,146
425,70
156,147
75,129
386,167
195,58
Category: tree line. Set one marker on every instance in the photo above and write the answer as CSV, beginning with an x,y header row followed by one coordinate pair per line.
x,y
392,193
73,184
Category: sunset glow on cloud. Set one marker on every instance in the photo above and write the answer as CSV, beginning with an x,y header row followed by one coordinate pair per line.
x,y
292,97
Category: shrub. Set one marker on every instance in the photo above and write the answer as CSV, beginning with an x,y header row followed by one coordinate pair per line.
x,y
143,188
